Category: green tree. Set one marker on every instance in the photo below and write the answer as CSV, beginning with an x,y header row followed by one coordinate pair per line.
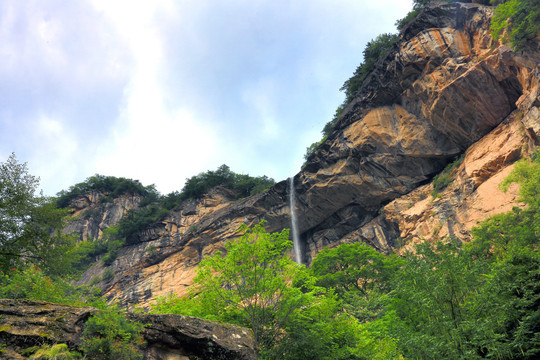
x,y
250,285
256,284
358,274
319,330
17,202
480,301
30,224
430,302
32,283
108,185
516,21
246,185
373,51
520,226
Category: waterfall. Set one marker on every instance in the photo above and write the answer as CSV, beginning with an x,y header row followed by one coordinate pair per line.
x,y
294,223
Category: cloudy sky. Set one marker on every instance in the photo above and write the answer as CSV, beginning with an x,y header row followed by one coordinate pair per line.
x,y
160,91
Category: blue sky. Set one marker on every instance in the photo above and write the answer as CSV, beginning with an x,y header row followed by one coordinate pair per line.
x,y
160,91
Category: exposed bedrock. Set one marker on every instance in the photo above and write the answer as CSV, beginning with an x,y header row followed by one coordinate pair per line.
x,y
446,88
25,324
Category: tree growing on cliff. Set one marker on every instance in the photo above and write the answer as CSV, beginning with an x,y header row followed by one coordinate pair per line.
x,y
516,21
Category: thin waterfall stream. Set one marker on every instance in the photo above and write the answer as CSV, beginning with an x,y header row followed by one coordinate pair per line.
x,y
294,222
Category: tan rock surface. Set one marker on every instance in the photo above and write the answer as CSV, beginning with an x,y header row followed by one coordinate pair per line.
x,y
441,91
473,196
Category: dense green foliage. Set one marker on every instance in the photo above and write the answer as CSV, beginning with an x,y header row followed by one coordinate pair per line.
x,y
245,185
249,286
445,300
359,275
37,262
32,283
516,21
110,185
110,335
135,221
482,301
30,225
155,208
256,284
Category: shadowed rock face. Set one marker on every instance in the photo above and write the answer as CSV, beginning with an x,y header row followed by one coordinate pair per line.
x,y
24,324
444,86
440,90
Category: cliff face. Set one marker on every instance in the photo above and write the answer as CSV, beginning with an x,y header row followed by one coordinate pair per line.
x,y
91,214
446,88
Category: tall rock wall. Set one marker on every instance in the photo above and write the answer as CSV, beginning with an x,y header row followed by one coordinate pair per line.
x,y
445,89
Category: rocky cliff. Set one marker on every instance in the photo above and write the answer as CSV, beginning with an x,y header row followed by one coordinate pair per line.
x,y
445,89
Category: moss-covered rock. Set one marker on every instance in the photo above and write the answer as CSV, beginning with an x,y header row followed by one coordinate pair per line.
x,y
26,326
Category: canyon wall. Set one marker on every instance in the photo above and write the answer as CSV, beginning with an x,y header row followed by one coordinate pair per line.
x,y
445,89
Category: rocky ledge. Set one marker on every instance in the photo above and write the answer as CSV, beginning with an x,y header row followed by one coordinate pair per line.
x,y
26,324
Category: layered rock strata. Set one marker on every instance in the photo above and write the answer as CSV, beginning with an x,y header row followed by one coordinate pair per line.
x,y
446,88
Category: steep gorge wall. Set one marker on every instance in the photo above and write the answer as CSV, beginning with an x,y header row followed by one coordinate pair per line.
x,y
446,88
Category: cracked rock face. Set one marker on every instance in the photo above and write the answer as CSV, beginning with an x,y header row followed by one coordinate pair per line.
x,y
446,88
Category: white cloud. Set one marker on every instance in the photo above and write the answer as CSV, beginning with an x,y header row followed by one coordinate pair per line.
x,y
54,154
162,90
153,141
260,97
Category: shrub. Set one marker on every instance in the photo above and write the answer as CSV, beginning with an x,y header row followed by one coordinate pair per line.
x,y
108,274
55,352
91,214
110,335
95,280
245,185
32,283
445,177
137,220
151,251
